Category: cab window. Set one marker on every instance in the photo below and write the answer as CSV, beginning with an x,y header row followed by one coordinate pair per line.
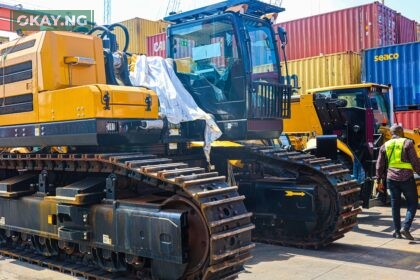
x,y
207,53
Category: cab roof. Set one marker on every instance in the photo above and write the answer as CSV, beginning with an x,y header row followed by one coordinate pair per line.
x,y
255,8
364,85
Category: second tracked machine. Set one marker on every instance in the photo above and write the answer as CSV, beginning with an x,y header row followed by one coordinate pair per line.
x,y
226,56
106,181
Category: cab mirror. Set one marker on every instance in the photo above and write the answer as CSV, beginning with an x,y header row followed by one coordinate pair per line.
x,y
282,35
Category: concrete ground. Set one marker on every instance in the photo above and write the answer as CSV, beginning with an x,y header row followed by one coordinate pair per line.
x,y
369,252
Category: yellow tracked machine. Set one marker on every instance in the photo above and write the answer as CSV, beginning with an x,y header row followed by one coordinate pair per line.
x,y
106,181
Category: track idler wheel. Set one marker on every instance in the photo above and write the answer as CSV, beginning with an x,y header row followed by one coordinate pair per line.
x,y
3,237
13,237
45,246
26,240
108,260
68,247
198,244
136,262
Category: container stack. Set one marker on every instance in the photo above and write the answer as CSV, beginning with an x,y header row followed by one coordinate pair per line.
x,y
399,66
353,29
368,43
326,70
335,48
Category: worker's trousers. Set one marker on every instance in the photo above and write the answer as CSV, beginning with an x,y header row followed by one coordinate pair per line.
x,y
409,189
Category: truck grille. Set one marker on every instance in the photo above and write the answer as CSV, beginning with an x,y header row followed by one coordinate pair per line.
x,y
269,101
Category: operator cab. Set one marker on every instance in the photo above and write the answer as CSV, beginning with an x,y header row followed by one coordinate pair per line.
x,y
229,63
354,113
359,97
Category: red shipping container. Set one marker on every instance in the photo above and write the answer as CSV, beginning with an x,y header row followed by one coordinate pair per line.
x,y
5,13
156,45
5,19
406,29
353,29
408,119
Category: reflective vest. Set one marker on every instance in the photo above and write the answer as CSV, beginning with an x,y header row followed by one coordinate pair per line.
x,y
394,148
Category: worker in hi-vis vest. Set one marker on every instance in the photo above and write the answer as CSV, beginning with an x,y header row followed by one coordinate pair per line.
x,y
396,164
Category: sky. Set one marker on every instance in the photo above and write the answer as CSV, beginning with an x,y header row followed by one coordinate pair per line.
x,y
156,9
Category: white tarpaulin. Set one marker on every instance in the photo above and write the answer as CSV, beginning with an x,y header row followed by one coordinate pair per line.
x,y
176,103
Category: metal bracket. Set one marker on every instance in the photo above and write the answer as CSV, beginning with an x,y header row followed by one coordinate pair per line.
x,y
106,99
43,186
111,186
148,101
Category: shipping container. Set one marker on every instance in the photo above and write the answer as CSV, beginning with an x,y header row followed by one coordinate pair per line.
x,y
399,66
326,70
418,31
139,29
5,19
352,29
406,30
408,119
156,45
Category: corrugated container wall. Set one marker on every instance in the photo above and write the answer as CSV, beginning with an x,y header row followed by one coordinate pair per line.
x,y
156,45
406,30
327,70
139,29
352,29
408,119
399,66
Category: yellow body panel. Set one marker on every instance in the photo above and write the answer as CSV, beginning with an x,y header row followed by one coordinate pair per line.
x,y
86,102
47,51
19,118
67,82
304,118
55,74
345,149
68,104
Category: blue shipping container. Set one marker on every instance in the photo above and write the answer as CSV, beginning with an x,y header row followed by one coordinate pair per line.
x,y
399,66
